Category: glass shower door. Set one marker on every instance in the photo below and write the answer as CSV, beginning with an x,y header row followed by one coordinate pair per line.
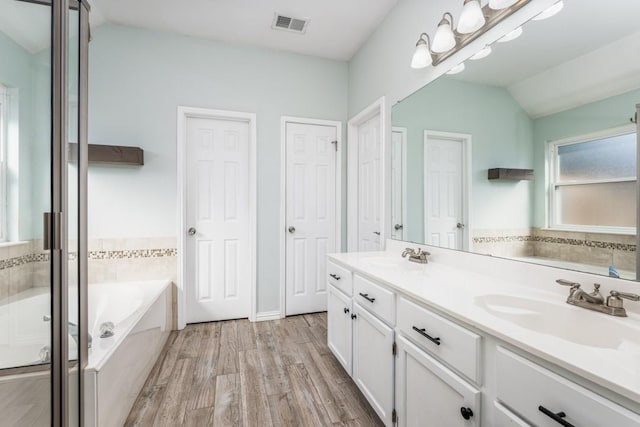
x,y
25,193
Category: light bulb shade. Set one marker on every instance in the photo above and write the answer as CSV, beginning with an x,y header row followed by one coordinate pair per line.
x,y
511,36
471,18
501,4
482,54
444,40
457,69
553,10
421,56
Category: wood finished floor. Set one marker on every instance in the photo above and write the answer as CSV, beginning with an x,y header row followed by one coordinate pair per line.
x,y
237,373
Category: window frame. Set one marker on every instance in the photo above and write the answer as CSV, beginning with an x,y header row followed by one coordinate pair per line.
x,y
552,185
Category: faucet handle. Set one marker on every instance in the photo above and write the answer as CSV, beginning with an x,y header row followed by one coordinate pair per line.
x,y
565,282
632,297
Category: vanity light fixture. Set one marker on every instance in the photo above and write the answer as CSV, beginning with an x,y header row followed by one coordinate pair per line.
x,y
551,11
457,69
511,36
471,18
501,4
422,54
444,40
486,51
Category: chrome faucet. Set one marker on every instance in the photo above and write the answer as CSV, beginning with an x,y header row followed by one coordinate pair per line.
x,y
613,305
73,331
416,255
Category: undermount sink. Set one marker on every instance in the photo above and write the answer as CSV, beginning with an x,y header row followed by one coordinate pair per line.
x,y
383,261
562,321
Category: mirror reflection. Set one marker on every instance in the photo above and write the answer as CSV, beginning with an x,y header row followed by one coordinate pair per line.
x,y
530,152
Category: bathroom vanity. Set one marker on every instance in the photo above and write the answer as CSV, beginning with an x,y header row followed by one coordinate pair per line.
x,y
470,340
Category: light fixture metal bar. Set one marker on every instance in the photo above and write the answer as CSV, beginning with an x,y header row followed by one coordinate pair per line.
x,y
493,18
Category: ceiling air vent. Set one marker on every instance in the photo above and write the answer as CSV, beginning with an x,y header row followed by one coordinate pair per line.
x,y
287,23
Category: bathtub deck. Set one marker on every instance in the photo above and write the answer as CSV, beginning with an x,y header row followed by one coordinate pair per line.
x,y
234,373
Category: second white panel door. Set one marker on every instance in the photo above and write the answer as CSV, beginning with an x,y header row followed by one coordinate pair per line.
x,y
218,276
310,214
370,186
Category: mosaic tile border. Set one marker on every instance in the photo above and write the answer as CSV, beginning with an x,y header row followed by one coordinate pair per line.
x,y
93,255
625,247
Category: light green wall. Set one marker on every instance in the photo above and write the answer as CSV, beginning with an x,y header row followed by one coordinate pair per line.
x,y
605,114
502,136
138,78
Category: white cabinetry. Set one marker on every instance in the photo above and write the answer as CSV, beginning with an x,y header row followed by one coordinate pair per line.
x,y
373,361
429,394
339,326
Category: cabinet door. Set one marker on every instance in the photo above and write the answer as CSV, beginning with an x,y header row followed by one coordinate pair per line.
x,y
430,395
373,361
339,327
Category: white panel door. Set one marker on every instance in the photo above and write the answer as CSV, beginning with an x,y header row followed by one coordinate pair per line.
x,y
217,248
310,214
370,188
443,195
398,182
373,361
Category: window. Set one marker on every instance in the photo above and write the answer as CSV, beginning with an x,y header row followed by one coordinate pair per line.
x,y
593,182
3,162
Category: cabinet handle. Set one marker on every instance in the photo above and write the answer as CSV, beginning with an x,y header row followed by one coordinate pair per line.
x,y
422,332
353,316
346,310
367,297
557,417
466,413
335,276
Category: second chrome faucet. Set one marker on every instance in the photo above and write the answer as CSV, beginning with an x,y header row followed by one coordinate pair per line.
x,y
416,255
595,301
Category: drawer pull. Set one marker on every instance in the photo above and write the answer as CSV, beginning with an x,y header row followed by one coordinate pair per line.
x,y
346,310
466,413
353,316
367,297
557,417
335,276
422,332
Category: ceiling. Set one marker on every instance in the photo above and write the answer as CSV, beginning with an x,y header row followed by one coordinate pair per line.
x,y
336,30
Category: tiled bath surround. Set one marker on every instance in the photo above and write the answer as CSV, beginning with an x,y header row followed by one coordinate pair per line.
x,y
598,249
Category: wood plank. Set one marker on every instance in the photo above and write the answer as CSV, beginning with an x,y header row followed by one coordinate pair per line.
x,y
228,356
227,404
284,411
202,393
190,342
174,404
255,407
146,406
169,361
199,417
309,404
246,335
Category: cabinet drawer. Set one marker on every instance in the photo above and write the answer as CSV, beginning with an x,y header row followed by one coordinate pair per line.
x,y
529,389
506,418
458,347
375,298
340,277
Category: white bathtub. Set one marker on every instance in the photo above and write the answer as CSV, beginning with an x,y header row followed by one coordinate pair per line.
x,y
117,366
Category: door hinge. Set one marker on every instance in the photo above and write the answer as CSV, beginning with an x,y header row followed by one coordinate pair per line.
x,y
394,416
51,233
394,349
335,144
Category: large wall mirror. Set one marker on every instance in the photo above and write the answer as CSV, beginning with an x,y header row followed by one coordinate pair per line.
x,y
529,153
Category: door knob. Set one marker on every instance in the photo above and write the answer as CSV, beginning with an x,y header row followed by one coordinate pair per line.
x,y
191,231
398,227
292,229
460,225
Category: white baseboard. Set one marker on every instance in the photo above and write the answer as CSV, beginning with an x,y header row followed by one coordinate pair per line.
x,y
268,315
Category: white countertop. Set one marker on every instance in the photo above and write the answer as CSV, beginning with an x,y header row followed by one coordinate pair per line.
x,y
601,348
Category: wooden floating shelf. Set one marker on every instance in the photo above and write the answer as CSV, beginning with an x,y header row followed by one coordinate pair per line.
x,y
113,155
505,174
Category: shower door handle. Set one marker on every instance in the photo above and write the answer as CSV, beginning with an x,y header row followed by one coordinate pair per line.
x,y
191,231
